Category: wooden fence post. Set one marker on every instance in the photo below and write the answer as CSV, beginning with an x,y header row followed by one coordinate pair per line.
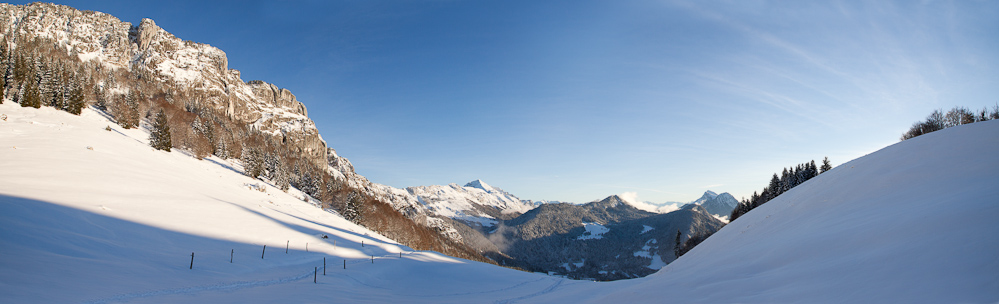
x,y
262,252
306,246
192,260
286,246
344,264
314,276
324,265
230,255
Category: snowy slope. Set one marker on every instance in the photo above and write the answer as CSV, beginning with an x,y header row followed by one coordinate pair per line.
x,y
911,223
96,216
477,203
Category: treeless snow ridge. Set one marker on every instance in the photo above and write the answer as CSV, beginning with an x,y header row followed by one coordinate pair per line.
x,y
95,216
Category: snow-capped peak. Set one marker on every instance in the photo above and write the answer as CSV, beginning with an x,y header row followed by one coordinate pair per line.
x,y
480,184
708,195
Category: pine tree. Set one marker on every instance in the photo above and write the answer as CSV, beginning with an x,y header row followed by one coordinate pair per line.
x,y
75,103
159,138
4,68
253,162
32,96
352,207
826,166
127,111
677,245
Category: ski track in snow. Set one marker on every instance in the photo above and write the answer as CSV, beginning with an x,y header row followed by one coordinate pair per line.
x,y
548,290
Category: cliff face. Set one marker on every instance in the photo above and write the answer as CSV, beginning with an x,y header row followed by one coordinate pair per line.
x,y
150,51
196,75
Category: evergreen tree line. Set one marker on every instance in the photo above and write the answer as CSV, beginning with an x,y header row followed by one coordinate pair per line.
x,y
780,184
33,79
938,120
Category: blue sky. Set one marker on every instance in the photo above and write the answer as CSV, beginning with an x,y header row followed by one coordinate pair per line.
x,y
578,100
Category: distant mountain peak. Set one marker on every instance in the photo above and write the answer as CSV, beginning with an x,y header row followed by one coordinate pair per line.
x,y
707,196
720,205
480,184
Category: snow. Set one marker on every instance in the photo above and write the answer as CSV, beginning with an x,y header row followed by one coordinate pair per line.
x,y
645,252
481,185
646,228
594,231
657,262
913,222
119,223
466,202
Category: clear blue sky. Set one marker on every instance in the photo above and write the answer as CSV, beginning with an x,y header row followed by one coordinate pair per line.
x,y
578,100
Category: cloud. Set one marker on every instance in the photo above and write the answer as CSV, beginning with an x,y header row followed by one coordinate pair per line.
x,y
631,198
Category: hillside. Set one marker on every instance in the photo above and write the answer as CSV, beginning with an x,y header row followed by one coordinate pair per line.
x,y
108,219
599,242
89,212
911,223
133,71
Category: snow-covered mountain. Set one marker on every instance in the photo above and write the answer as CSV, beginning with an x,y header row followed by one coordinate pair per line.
x,y
720,205
106,218
89,207
476,204
708,195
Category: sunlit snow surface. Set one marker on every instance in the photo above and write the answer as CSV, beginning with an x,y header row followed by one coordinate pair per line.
x,y
593,231
95,216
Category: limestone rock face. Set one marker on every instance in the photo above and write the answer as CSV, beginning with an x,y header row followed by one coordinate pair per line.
x,y
276,96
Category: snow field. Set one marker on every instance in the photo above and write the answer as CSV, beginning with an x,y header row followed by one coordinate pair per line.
x,y
95,216
90,215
